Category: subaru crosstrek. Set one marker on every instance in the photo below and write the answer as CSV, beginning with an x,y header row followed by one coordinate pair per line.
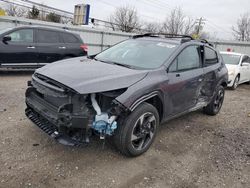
x,y
126,91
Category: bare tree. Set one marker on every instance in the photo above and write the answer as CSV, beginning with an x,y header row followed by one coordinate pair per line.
x,y
178,23
188,26
151,27
13,10
125,19
241,31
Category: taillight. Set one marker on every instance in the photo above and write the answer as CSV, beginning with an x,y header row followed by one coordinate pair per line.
x,y
84,47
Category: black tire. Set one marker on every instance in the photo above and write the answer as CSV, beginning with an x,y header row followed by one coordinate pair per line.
x,y
236,82
215,105
133,138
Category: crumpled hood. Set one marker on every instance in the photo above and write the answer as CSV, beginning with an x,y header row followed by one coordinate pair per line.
x,y
90,76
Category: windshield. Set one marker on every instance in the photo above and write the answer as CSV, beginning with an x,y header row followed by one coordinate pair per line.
x,y
231,59
4,30
144,54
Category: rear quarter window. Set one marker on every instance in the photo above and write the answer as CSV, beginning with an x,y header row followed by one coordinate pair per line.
x,y
211,57
70,38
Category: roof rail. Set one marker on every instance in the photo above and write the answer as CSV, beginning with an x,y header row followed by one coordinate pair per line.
x,y
166,35
206,42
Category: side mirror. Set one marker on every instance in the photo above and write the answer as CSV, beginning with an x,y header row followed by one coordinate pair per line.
x,y
245,64
6,39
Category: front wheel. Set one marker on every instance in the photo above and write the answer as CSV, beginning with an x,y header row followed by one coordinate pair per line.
x,y
236,82
136,133
215,105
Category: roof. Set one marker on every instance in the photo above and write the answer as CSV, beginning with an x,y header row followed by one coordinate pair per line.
x,y
42,27
47,28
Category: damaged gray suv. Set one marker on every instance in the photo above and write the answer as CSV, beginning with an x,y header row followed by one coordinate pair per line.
x,y
126,91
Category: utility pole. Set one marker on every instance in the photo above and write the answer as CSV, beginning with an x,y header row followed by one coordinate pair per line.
x,y
200,22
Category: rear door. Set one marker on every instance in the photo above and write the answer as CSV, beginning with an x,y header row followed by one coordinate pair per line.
x,y
185,77
212,67
49,45
73,45
21,50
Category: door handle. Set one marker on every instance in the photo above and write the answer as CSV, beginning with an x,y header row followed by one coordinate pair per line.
x,y
62,47
178,75
31,47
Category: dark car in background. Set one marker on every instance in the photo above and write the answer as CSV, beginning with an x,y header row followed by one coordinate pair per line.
x,y
126,91
32,47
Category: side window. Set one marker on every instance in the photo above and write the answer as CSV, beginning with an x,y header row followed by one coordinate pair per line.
x,y
22,35
246,59
210,57
69,38
188,59
173,67
45,36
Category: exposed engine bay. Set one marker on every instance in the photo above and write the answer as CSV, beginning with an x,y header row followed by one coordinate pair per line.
x,y
68,116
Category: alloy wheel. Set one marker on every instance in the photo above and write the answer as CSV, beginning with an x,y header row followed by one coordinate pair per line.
x,y
236,82
143,131
219,100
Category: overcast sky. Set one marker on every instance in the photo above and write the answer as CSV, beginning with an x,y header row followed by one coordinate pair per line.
x,y
220,15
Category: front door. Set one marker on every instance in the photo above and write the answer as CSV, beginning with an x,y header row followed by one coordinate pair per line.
x,y
185,76
20,50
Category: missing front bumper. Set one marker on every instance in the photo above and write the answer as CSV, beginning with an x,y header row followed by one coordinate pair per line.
x,y
53,131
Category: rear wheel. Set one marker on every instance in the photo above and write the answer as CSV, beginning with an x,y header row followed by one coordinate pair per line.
x,y
136,133
215,105
236,82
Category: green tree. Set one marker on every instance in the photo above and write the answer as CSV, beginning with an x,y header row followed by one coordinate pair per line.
x,y
53,17
34,13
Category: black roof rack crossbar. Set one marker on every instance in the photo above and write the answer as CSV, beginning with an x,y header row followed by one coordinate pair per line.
x,y
206,42
166,35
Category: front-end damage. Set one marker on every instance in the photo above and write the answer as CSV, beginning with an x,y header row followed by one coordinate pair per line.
x,y
71,117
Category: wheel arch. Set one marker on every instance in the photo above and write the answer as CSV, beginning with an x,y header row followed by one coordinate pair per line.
x,y
238,74
154,99
224,84
157,103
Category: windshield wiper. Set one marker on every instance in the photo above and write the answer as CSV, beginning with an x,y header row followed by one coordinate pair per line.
x,y
123,65
114,63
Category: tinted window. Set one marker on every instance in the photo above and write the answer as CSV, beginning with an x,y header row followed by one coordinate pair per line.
x,y
138,53
188,59
47,36
210,57
69,38
22,35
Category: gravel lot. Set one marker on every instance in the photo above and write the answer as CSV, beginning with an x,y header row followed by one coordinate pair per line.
x,y
192,151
